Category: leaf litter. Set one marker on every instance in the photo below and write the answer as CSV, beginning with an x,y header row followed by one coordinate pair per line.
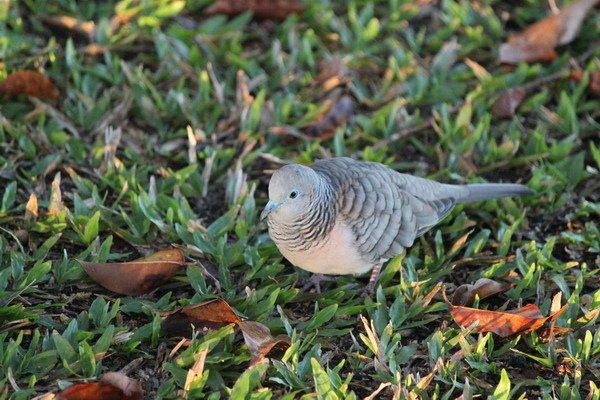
x,y
112,386
136,277
216,313
465,294
30,83
262,9
538,41
503,323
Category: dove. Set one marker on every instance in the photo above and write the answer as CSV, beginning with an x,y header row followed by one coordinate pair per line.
x,y
341,216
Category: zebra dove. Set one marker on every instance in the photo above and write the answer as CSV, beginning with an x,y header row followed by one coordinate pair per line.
x,y
341,216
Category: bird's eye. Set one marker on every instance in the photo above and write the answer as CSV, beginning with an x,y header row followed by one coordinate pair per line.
x,y
293,195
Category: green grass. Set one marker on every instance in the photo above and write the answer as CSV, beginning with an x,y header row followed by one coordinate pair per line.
x,y
224,83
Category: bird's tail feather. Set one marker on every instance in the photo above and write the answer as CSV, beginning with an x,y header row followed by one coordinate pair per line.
x,y
486,191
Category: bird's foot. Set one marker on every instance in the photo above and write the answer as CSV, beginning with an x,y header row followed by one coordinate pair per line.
x,y
369,290
315,281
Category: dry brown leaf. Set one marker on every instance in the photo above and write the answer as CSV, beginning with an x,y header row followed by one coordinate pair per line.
x,y
31,209
537,42
205,316
196,371
524,319
338,114
460,242
112,386
261,9
259,340
214,314
30,83
136,277
546,333
508,101
55,205
464,295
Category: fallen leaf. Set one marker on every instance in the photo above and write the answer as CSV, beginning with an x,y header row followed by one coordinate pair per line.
x,y
214,314
261,9
503,324
206,316
136,277
30,83
537,42
465,294
259,340
546,333
508,101
112,386
31,209
338,114
196,371
55,205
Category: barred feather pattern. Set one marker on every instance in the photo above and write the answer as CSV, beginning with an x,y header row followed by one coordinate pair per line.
x,y
380,211
310,229
378,206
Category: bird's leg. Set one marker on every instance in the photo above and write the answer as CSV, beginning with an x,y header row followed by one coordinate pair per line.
x,y
315,281
375,272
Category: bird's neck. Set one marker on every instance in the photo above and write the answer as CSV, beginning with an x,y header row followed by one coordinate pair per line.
x,y
311,228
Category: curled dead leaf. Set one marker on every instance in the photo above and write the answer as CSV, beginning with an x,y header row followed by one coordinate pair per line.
x,y
338,114
259,340
136,277
205,316
214,314
537,42
508,101
112,386
30,83
262,9
502,323
31,209
465,294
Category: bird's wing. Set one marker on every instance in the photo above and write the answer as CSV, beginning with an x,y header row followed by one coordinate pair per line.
x,y
381,206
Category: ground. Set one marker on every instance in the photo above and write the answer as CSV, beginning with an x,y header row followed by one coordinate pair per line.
x,y
167,125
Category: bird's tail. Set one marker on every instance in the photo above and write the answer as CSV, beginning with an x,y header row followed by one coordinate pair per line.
x,y
486,191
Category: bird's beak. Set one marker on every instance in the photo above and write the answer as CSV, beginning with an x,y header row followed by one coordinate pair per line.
x,y
271,205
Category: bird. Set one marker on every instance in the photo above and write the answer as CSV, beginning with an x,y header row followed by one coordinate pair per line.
x,y
340,216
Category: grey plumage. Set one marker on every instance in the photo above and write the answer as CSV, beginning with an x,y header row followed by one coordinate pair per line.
x,y
366,207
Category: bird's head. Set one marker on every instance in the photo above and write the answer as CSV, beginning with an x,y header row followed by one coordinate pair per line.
x,y
292,189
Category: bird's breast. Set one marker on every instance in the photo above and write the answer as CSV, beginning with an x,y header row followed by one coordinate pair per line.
x,y
335,254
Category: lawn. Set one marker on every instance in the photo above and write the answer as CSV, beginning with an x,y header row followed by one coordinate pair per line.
x,y
167,120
